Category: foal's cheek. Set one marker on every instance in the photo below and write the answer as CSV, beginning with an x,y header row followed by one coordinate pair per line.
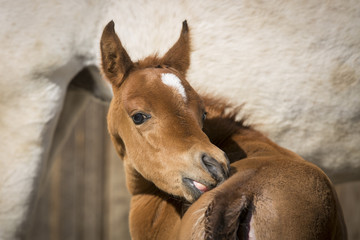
x,y
153,137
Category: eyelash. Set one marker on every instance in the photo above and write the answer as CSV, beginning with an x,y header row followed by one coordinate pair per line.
x,y
139,118
204,116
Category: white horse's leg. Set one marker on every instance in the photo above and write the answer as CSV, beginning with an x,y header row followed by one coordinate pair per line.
x,y
28,121
42,47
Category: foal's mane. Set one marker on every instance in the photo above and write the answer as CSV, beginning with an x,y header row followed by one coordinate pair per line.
x,y
150,61
222,124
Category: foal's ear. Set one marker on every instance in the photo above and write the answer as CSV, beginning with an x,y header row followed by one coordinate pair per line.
x,y
115,60
178,56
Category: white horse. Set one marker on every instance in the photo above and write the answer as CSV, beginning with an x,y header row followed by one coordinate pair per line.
x,y
294,64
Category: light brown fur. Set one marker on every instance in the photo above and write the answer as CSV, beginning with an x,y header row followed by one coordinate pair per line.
x,y
272,193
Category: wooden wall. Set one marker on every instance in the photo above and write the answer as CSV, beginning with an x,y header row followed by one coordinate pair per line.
x,y
85,196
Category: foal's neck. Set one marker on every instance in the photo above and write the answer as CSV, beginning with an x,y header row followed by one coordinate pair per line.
x,y
152,210
138,185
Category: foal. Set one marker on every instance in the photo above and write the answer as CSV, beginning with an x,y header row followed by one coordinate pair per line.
x,y
155,121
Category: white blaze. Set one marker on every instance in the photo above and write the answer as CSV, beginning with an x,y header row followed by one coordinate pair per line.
x,y
173,81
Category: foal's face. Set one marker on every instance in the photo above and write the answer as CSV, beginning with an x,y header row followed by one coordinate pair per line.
x,y
155,120
159,118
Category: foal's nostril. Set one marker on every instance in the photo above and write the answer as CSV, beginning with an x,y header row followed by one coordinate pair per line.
x,y
214,168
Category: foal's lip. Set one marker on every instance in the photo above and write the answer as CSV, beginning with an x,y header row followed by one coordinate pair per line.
x,y
196,188
200,186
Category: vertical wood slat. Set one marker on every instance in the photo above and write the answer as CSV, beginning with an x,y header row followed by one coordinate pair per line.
x,y
93,184
68,216
54,199
349,197
117,198
79,145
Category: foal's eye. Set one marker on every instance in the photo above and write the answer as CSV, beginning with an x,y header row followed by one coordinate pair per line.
x,y
204,116
140,118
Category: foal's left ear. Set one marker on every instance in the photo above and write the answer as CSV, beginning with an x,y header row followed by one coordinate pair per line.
x,y
178,56
115,60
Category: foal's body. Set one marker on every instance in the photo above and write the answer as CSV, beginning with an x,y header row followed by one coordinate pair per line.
x,y
155,121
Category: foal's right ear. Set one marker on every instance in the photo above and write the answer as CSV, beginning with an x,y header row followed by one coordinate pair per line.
x,y
178,56
115,60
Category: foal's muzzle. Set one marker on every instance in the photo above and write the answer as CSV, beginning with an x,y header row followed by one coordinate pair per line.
x,y
218,171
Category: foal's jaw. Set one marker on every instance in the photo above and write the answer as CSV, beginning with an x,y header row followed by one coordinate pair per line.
x,y
187,174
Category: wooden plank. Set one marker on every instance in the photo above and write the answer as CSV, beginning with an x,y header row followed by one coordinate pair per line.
x,y
93,181
79,147
55,200
117,199
349,197
68,217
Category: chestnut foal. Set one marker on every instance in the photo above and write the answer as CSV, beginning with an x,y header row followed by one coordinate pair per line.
x,y
155,121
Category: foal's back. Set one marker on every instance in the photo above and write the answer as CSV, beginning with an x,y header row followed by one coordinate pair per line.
x,y
276,199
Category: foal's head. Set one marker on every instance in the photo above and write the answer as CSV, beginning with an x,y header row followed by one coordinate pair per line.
x,y
155,119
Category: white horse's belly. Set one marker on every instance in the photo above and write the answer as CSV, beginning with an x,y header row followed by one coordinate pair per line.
x,y
296,68
294,65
